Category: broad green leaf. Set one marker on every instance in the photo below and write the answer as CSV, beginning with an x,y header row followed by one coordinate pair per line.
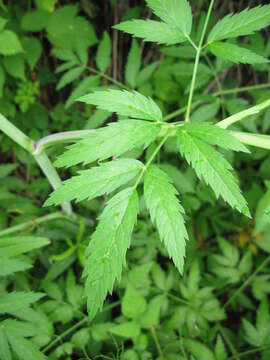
x,y
244,23
174,12
133,64
10,266
211,166
151,316
87,84
165,210
125,103
126,330
9,43
235,53
70,76
214,135
14,65
109,141
153,31
35,21
16,245
103,57
5,353
17,300
24,349
97,181
107,249
33,50
133,303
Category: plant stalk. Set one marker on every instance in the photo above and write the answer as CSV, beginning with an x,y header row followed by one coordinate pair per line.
x,y
197,60
258,140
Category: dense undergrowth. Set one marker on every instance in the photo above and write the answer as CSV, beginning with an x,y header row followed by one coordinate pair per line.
x,y
54,52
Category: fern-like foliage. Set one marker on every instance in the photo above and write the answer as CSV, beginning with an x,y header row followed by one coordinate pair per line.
x,y
244,23
211,166
96,181
152,31
166,211
112,140
107,248
125,103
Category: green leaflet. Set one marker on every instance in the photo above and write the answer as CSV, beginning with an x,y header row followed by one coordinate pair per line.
x,y
70,76
235,53
213,168
214,135
112,140
96,181
24,349
103,57
133,64
17,300
17,245
107,249
10,266
173,12
165,210
9,43
152,31
262,218
244,23
125,103
5,353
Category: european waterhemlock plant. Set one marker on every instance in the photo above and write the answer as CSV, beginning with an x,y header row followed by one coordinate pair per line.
x,y
142,125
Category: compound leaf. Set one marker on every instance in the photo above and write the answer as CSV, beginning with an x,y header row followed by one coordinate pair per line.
x,y
235,53
112,140
244,23
97,181
17,300
173,12
152,31
210,165
165,210
125,103
107,249
214,135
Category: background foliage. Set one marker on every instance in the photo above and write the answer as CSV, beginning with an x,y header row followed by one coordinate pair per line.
x,y
53,52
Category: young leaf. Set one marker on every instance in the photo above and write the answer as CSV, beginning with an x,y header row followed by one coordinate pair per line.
x,y
262,218
17,245
244,23
173,12
213,168
96,181
125,103
214,135
17,300
153,31
10,266
107,249
87,84
133,64
9,43
103,57
235,53
70,76
146,73
165,210
112,140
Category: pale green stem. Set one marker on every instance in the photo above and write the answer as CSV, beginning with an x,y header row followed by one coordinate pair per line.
x,y
243,114
32,223
258,140
52,176
67,136
16,135
197,59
